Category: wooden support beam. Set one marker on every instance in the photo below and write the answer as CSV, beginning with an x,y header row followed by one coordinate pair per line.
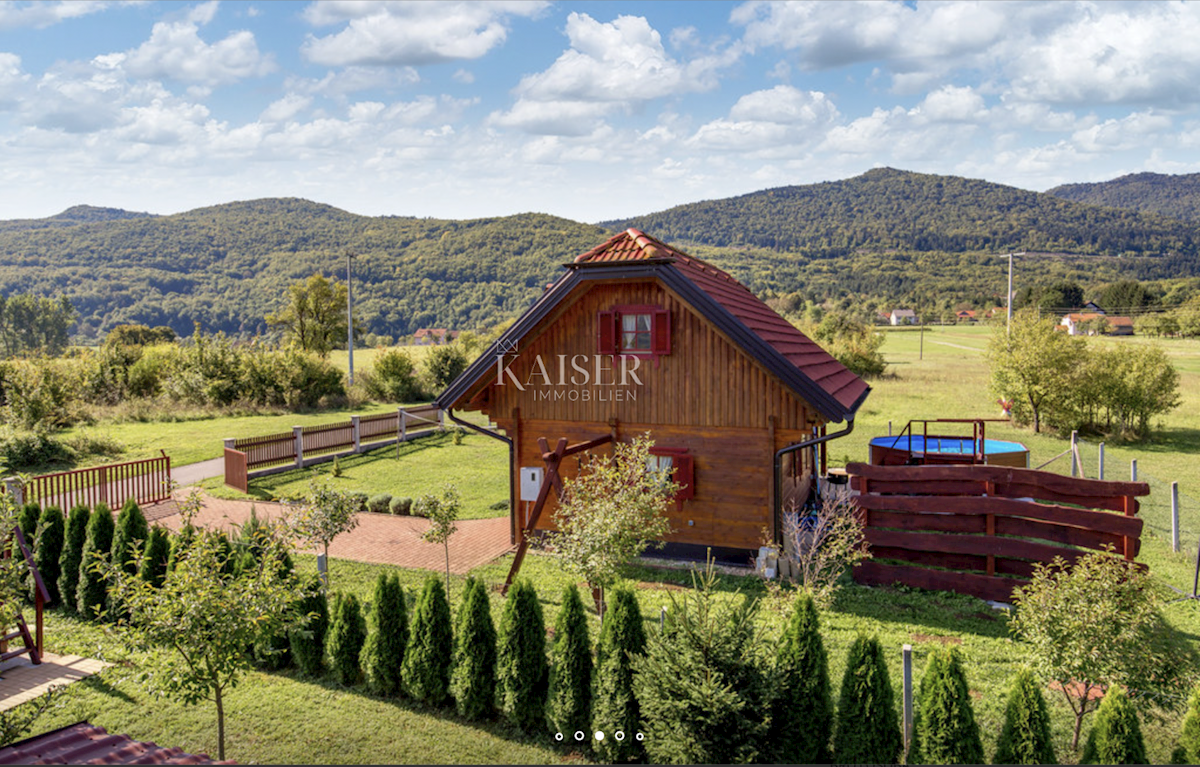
x,y
551,477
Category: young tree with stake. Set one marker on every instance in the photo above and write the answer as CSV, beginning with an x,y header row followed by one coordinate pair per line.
x,y
322,516
442,513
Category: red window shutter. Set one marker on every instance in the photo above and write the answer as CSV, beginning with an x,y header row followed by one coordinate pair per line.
x,y
662,332
606,333
685,476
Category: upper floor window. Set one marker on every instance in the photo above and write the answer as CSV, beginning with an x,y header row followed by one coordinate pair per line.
x,y
636,332
642,330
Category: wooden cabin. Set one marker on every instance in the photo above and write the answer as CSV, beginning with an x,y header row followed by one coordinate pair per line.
x,y
637,336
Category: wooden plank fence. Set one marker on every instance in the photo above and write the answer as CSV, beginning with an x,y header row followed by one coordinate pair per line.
x,y
980,529
147,481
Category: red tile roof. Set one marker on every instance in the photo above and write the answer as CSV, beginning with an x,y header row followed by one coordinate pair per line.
x,y
810,359
84,743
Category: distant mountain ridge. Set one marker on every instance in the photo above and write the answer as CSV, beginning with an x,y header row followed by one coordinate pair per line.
x,y
1177,196
76,214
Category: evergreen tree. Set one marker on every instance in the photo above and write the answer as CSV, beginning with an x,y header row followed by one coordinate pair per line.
x,y
347,633
866,730
802,713
130,534
522,674
1116,736
47,551
571,667
430,648
622,638
473,681
27,520
93,587
944,731
1189,738
388,637
308,643
1025,735
154,563
72,555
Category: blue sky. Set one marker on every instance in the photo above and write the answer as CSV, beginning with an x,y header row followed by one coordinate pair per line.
x,y
588,110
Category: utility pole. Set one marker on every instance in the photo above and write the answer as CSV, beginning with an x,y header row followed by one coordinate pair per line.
x,y
1008,323
350,315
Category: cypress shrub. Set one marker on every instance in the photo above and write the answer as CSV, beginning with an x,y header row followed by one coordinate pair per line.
x,y
622,638
1189,738
92,590
72,555
179,546
27,520
249,543
1116,736
388,637
154,563
944,729
866,730
430,651
802,712
47,551
521,672
308,642
473,681
1025,735
347,633
130,535
571,667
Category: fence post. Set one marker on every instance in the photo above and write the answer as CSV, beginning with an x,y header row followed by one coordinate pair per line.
x,y
1133,470
1174,516
889,428
1101,461
356,429
403,425
15,489
1074,452
908,696
230,443
441,419
298,436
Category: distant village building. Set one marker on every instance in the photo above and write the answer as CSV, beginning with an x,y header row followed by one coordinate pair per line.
x,y
434,336
965,315
1090,323
904,317
1092,306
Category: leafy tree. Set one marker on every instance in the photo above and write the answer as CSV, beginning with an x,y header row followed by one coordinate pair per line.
x,y
825,546
393,378
315,316
29,324
615,707
208,657
383,656
802,711
1189,737
307,640
441,513
610,512
865,728
93,585
1116,737
47,550
130,535
1025,736
1125,297
429,654
944,731
1034,365
522,675
72,556
571,667
1097,624
473,681
702,684
852,342
445,363
347,633
324,515
140,335
154,560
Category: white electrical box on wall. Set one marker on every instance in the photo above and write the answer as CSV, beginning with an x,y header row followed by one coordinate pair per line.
x,y
531,482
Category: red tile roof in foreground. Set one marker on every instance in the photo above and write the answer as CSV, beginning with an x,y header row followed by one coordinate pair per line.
x,y
810,359
84,743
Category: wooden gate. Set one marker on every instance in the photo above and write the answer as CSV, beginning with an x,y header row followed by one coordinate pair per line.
x,y
237,473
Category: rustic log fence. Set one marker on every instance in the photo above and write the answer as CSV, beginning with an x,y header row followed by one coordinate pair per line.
x,y
981,529
147,482
250,457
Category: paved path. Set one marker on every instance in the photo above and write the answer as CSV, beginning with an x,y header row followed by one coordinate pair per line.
x,y
379,538
192,473
22,681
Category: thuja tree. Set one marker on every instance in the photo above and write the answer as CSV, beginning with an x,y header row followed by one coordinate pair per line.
x,y
430,648
702,684
571,667
155,555
47,550
307,639
521,671
944,731
1189,738
1116,736
383,656
441,512
615,707
206,657
866,730
130,534
802,714
12,569
347,633
1025,735
323,515
93,584
610,512
473,681
72,555
1096,624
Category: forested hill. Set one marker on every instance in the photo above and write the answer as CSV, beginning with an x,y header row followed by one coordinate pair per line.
x,y
76,214
1174,196
227,266
891,209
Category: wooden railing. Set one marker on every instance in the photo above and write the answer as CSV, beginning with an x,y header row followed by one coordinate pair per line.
x,y
147,481
269,450
33,644
981,529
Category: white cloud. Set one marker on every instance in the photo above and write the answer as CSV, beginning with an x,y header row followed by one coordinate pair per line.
x,y
778,119
562,118
463,76
14,15
285,108
1134,130
13,81
952,104
175,51
343,82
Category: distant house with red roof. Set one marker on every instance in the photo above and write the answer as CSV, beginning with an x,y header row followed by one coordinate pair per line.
x,y
430,336
965,315
1091,323
636,336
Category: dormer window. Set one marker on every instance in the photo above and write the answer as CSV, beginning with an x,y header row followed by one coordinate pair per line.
x,y
636,333
639,331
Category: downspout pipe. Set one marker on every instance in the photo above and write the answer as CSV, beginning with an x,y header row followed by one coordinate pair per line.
x,y
512,500
781,452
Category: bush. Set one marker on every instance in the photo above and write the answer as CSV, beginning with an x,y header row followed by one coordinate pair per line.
x,y
944,731
154,562
72,555
400,506
394,378
445,363
180,542
47,551
93,586
308,642
802,714
430,648
457,435
383,657
22,449
347,633
379,504
1189,737
27,520
866,730
522,675
1116,736
622,638
571,667
358,501
1025,736
130,535
473,681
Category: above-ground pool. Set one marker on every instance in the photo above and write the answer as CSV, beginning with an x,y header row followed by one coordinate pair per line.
x,y
894,451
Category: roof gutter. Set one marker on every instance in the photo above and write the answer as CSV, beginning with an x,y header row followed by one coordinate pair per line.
x,y
780,453
512,499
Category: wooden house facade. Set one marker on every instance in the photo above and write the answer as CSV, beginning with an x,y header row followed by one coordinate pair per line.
x,y
637,337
